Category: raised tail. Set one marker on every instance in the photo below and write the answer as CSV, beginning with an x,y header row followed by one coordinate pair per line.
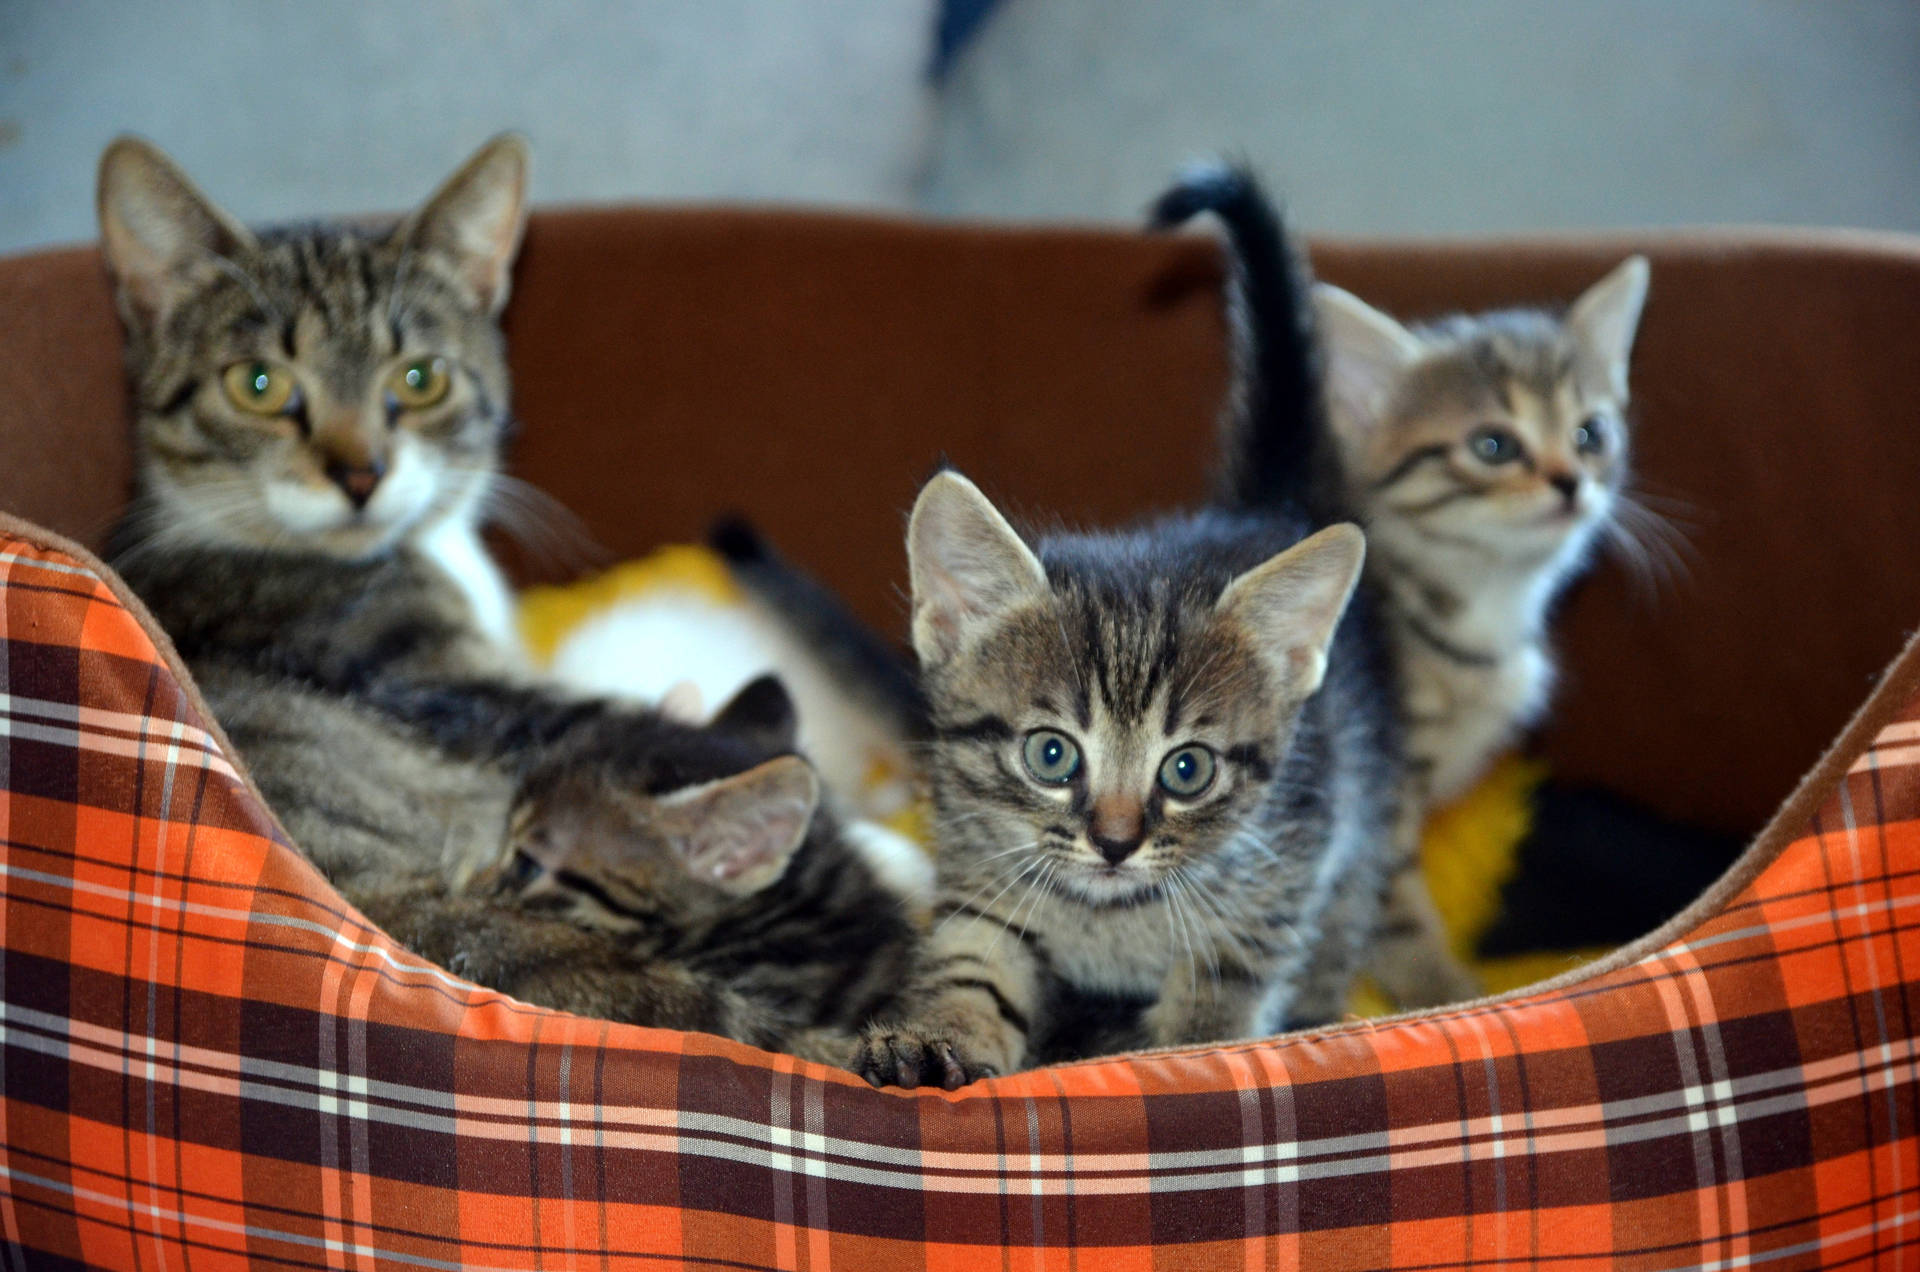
x,y
1275,429
860,661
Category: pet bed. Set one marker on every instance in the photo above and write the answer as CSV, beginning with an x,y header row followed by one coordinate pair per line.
x,y
209,1060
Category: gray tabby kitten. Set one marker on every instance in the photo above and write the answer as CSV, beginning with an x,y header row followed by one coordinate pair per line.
x,y
320,411
1162,777
1484,455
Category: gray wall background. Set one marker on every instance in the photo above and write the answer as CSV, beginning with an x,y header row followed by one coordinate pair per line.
x,y
1372,116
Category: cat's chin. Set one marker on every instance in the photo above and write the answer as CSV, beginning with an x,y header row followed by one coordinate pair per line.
x,y
1107,887
361,541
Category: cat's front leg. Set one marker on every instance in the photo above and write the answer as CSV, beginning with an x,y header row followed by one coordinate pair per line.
x,y
1206,1002
968,1014
1412,957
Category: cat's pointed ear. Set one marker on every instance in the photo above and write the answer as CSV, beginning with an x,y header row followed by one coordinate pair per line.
x,y
1603,323
969,567
738,834
475,220
1367,353
1290,604
162,238
763,713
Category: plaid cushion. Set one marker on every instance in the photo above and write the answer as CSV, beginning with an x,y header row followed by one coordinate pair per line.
x,y
210,1059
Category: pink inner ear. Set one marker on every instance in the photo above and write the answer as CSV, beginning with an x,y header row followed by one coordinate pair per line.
x,y
752,850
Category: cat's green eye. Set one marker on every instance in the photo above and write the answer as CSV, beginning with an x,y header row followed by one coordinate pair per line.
x,y
1051,756
259,388
1591,437
1494,446
419,384
1187,772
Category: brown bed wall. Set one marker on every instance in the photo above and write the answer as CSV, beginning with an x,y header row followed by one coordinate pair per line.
x,y
808,370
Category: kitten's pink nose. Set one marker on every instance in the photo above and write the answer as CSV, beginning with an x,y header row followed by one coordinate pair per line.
x,y
1117,827
357,480
1568,485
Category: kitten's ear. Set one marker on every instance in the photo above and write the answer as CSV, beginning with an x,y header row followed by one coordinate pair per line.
x,y
739,833
1367,352
1603,323
475,220
1291,603
968,566
161,236
762,712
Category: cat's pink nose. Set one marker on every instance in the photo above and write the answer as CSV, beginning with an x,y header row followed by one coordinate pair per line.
x,y
1117,827
357,481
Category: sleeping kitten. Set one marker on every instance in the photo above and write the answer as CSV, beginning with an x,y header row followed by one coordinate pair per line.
x,y
1484,455
678,876
320,411
1163,771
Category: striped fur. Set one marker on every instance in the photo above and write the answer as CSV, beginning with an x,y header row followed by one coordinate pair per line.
x,y
1467,553
1104,912
1470,552
355,659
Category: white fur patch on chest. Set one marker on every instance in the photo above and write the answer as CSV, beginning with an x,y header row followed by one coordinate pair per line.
x,y
903,867
456,548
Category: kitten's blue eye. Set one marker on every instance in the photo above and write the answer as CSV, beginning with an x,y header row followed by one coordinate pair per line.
x,y
1495,446
1187,772
1591,437
1051,757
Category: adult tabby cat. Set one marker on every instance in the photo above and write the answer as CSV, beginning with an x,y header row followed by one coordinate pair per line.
x,y
1163,773
1485,455
320,411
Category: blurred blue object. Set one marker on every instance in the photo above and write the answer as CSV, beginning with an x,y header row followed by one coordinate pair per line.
x,y
959,21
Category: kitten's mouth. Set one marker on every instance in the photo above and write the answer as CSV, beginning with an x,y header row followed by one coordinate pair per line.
x,y
1104,884
1560,516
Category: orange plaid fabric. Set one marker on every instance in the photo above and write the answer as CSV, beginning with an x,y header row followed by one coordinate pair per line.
x,y
208,1060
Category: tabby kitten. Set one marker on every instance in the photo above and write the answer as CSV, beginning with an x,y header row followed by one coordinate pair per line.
x,y
690,875
320,411
1161,775
1484,456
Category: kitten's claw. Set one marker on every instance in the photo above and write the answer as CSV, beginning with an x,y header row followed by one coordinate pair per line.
x,y
908,1058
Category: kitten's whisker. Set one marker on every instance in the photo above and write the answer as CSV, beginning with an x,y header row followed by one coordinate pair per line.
x,y
1228,930
1016,870
1654,550
1197,944
1673,508
543,526
1006,852
1042,889
1202,905
1174,943
1007,924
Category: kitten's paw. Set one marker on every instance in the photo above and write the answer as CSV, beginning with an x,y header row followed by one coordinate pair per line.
x,y
904,1056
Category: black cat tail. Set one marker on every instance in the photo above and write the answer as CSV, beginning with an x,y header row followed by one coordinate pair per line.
x,y
859,659
1275,429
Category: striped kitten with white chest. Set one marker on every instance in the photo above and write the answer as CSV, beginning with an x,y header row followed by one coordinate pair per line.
x,y
319,416
1163,774
1485,454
